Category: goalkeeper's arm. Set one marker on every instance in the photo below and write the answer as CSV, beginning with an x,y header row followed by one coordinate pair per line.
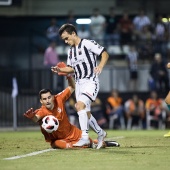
x,y
62,69
71,83
31,114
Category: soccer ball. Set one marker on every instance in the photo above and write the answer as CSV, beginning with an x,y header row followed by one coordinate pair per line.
x,y
50,123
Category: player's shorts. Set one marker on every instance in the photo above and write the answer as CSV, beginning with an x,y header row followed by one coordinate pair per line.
x,y
86,91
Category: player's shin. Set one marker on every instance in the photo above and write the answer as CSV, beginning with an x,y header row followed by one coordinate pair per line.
x,y
94,125
83,120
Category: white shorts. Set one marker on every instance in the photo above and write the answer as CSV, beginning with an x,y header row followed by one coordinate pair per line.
x,y
86,92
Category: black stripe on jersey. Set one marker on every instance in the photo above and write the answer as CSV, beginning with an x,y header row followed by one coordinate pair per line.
x,y
79,46
88,97
70,55
75,54
85,69
76,76
89,60
79,71
94,58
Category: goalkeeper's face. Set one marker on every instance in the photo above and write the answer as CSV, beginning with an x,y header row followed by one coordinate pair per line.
x,y
47,100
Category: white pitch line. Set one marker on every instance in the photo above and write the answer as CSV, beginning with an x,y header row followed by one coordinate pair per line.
x,y
47,150
29,154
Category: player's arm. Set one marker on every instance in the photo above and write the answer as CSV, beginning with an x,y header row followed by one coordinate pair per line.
x,y
104,59
59,70
31,114
62,69
71,83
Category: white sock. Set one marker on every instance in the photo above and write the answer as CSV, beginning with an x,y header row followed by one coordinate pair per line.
x,y
94,125
83,121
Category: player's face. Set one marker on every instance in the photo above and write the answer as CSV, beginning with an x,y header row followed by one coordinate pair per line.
x,y
47,100
68,38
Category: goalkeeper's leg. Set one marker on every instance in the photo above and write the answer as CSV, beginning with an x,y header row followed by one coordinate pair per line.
x,y
63,144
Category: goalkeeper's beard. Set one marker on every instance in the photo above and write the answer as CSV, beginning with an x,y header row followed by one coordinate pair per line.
x,y
49,106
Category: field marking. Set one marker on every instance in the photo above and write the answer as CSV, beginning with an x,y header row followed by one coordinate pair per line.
x,y
29,154
47,150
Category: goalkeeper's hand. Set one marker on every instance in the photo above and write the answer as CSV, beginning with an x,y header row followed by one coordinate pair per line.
x,y
57,70
30,113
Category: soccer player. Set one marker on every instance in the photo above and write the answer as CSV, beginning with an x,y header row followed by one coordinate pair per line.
x,y
67,134
82,62
167,101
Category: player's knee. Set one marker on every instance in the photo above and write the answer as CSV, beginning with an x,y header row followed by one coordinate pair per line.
x,y
89,114
79,106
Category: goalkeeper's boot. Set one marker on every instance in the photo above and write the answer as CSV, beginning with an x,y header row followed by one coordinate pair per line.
x,y
82,142
101,139
167,135
111,144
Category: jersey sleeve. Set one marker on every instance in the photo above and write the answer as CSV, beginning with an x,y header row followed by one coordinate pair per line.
x,y
94,47
40,114
64,95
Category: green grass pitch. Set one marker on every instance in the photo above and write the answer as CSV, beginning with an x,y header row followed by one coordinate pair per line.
x,y
139,150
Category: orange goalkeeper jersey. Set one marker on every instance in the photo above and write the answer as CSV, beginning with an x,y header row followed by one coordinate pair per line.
x,y
65,130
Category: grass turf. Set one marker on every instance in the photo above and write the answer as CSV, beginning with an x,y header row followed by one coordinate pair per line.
x,y
139,150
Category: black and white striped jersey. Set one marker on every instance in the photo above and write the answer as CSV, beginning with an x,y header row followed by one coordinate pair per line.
x,y
83,58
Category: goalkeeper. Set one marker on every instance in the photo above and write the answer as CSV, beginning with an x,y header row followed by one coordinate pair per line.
x,y
66,134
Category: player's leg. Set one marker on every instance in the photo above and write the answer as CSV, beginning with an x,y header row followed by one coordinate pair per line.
x,y
82,115
86,93
61,144
92,123
69,142
97,129
93,88
72,139
83,121
167,101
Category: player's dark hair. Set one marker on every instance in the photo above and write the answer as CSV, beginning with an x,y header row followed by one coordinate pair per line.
x,y
69,28
43,91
